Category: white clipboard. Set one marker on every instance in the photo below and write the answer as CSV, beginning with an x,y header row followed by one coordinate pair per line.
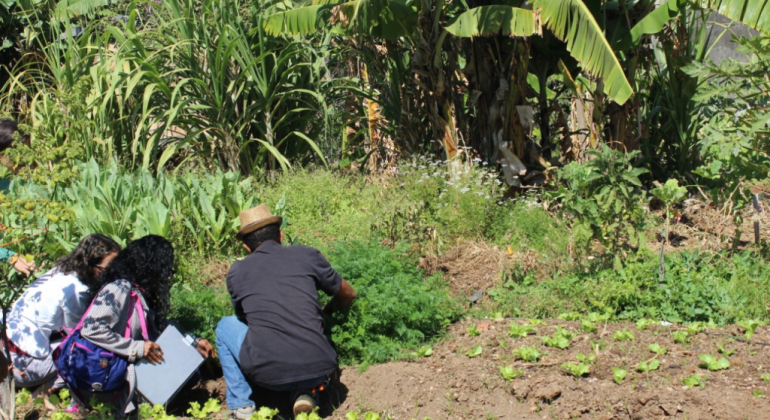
x,y
158,384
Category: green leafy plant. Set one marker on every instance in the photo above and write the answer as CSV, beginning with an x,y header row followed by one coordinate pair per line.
x,y
560,339
313,415
757,393
576,369
618,374
623,335
712,363
369,415
23,396
644,324
509,373
765,377
472,331
569,316
647,366
155,412
538,322
474,351
693,381
603,196
265,413
587,326
519,331
695,328
669,193
725,351
657,349
423,351
211,406
528,354
586,358
750,326
681,337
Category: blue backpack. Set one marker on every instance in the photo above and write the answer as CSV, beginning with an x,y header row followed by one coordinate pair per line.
x,y
84,366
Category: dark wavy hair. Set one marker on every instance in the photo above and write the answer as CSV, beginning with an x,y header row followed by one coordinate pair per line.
x,y
88,254
147,262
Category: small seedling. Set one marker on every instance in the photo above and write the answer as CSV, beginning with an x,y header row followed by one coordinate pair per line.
x,y
695,328
23,396
569,316
750,325
681,337
723,350
644,324
648,366
313,415
537,322
210,407
528,354
757,393
598,345
588,326
474,351
692,380
576,369
712,363
657,349
623,335
509,373
472,331
423,351
589,358
560,339
520,331
264,413
765,377
618,375
598,318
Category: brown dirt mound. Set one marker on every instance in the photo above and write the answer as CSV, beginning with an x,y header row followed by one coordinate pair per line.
x,y
469,267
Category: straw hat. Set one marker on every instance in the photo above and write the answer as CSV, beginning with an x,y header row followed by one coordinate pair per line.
x,y
255,218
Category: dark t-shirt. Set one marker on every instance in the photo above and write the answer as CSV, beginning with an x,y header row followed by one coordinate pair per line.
x,y
275,292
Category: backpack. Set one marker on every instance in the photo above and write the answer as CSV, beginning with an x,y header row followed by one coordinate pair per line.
x,y
84,366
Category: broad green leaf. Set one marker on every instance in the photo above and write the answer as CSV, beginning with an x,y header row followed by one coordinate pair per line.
x,y
494,20
753,13
573,23
651,24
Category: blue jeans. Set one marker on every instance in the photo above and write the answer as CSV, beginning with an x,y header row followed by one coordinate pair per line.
x,y
230,335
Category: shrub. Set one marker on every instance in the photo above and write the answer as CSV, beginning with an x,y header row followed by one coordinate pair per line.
x,y
396,308
199,308
523,223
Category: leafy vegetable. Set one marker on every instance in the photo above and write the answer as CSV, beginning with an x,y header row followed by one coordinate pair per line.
x,y
723,350
23,396
765,377
681,337
473,352
472,331
618,375
264,413
712,363
528,354
210,407
589,358
644,324
560,339
648,366
509,373
692,380
695,328
587,326
657,349
576,369
519,331
537,322
569,316
750,325
623,335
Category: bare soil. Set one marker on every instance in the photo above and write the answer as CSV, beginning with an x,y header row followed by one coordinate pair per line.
x,y
451,385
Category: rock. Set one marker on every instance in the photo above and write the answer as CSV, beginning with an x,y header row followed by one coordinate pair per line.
x,y
548,393
643,399
521,390
462,398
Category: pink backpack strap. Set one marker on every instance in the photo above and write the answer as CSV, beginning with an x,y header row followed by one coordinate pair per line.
x,y
142,318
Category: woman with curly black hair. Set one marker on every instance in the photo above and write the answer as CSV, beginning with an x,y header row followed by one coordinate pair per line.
x,y
53,304
144,267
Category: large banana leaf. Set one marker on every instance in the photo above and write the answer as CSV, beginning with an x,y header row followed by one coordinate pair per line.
x,y
388,19
753,13
653,23
572,22
494,20
72,8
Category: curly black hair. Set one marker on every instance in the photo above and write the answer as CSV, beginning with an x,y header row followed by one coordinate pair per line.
x,y
147,262
87,255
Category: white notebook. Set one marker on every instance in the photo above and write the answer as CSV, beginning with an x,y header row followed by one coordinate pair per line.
x,y
159,383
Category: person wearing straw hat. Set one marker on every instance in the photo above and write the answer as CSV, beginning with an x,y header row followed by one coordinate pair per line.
x,y
276,338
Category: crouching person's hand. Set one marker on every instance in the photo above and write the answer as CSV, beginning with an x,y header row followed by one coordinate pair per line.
x,y
153,352
205,348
